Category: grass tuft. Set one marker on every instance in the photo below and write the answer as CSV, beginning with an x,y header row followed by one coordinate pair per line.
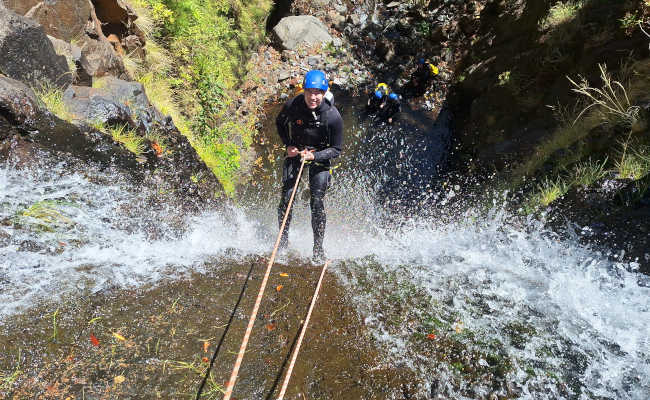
x,y
51,97
562,12
129,138
588,172
634,163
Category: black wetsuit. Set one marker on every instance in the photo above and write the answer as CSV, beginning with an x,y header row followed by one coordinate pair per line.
x,y
391,108
375,104
320,129
421,79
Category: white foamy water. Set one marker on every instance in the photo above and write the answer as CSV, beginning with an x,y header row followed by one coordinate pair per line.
x,y
591,316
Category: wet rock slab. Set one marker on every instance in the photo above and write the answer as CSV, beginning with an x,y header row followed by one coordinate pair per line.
x,y
151,342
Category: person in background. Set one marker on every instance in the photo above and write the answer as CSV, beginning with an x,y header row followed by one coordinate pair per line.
x,y
422,77
391,108
377,98
311,128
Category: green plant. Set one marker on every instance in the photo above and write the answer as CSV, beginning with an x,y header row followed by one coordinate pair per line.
x,y
98,125
549,191
633,164
194,76
54,325
51,97
630,20
611,101
560,13
160,140
45,216
129,138
504,78
8,380
423,28
133,65
586,173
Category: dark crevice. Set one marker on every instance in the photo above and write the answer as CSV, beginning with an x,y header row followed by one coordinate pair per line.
x,y
281,9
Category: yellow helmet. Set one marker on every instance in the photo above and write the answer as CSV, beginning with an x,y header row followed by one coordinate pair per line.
x,y
382,87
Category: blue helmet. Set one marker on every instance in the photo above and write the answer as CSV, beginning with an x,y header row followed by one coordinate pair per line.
x,y
315,79
393,96
421,61
379,94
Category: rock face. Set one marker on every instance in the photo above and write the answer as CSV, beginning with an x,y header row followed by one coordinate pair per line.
x,y
63,19
27,53
95,105
18,104
22,116
114,101
100,59
25,124
303,29
75,60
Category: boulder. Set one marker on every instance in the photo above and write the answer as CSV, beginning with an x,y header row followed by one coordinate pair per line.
x,y
73,56
114,101
22,115
27,53
302,29
26,128
95,105
99,58
18,103
63,19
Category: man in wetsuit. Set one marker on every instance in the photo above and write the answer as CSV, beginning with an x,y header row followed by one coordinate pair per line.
x,y
311,128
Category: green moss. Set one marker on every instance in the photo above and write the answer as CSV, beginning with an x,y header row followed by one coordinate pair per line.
x,y
45,216
561,13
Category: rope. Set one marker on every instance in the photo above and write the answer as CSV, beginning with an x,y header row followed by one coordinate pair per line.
x,y
302,335
232,315
251,321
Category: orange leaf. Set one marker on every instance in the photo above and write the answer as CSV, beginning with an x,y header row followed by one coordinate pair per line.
x,y
93,340
284,274
205,346
118,336
270,327
278,288
431,336
205,359
156,147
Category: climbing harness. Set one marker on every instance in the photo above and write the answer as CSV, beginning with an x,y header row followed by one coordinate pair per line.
x,y
240,356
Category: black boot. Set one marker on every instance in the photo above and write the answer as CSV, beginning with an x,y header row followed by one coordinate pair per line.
x,y
319,254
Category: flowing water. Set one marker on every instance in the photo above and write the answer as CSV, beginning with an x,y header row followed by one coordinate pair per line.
x,y
476,304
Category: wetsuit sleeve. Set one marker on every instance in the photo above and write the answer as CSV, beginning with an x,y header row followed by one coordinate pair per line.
x,y
335,123
282,123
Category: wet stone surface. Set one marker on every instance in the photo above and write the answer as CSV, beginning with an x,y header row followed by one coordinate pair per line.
x,y
156,342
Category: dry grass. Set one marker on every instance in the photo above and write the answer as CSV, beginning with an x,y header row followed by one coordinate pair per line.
x,y
611,101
